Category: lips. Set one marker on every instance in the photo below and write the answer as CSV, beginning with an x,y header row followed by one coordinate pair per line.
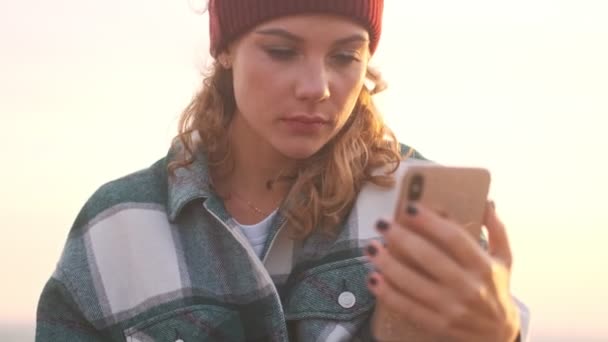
x,y
307,125
307,119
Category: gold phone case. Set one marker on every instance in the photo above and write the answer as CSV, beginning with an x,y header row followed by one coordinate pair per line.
x,y
459,193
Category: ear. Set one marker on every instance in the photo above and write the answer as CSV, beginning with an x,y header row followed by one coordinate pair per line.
x,y
225,59
374,76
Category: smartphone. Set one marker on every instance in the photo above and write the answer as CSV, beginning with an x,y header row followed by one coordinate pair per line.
x,y
457,193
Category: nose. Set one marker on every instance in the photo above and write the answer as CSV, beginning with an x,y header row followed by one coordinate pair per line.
x,y
313,83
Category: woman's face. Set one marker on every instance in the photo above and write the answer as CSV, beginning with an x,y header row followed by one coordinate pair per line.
x,y
297,80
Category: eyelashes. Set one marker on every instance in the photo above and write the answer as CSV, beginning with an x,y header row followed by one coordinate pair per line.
x,y
281,54
345,58
287,54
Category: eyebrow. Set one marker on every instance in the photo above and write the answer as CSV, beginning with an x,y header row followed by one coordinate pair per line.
x,y
290,36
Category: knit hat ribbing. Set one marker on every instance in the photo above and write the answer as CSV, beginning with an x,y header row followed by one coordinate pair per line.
x,y
231,18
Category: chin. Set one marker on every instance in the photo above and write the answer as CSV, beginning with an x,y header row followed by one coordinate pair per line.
x,y
299,151
299,154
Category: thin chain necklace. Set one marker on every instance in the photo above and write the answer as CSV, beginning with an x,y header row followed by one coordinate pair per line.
x,y
229,196
250,205
269,186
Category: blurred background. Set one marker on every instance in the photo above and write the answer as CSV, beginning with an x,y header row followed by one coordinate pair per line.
x,y
91,91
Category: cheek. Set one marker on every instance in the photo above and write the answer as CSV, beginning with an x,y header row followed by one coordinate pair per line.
x,y
347,92
257,86
244,77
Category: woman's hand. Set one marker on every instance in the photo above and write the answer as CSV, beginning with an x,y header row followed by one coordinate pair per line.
x,y
434,274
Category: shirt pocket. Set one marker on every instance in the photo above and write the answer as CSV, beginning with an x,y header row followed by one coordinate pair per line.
x,y
330,300
192,323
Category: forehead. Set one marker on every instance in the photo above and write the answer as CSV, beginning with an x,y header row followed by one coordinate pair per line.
x,y
315,27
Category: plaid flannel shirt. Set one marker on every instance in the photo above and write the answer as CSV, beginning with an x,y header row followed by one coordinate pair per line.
x,y
155,258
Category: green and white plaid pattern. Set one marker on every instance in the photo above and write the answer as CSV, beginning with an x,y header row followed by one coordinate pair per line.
x,y
157,258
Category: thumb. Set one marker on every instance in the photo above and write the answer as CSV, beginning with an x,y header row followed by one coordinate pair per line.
x,y
498,240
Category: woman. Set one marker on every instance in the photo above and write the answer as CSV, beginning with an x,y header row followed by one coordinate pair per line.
x,y
253,226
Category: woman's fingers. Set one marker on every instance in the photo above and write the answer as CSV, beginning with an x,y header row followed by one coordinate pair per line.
x,y
453,319
418,268
435,274
499,246
447,235
410,247
405,306
405,278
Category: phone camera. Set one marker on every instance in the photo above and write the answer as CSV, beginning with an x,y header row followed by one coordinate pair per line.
x,y
415,187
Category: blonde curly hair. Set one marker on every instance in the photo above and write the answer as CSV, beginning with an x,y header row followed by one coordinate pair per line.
x,y
326,185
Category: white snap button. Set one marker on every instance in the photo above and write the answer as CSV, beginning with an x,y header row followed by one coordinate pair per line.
x,y
347,299
179,340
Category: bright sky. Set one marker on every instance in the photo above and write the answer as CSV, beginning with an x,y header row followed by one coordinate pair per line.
x,y
91,90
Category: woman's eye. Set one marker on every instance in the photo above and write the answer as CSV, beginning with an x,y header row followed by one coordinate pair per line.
x,y
345,58
281,54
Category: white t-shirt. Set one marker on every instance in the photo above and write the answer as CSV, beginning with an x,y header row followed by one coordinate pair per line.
x,y
257,233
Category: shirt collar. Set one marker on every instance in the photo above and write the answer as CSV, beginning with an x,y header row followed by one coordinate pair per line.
x,y
187,183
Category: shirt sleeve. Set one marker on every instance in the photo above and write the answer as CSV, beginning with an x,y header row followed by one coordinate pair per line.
x,y
59,318
524,317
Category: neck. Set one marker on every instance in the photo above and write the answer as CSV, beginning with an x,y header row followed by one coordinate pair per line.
x,y
256,163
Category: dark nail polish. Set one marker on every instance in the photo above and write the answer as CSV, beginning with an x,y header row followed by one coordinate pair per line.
x,y
382,226
372,250
373,281
411,210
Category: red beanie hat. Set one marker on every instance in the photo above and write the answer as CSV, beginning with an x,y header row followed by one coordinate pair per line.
x,y
228,19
